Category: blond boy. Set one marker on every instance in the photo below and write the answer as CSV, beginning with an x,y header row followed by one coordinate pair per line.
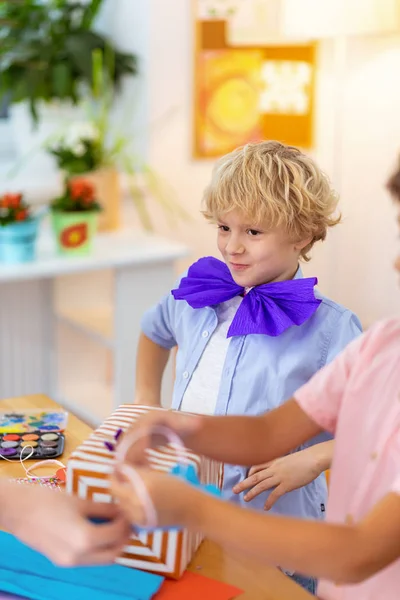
x,y
251,330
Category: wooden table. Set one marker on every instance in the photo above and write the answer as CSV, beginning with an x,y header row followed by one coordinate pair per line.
x,y
259,582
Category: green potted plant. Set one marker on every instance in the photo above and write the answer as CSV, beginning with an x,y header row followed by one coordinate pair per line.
x,y
98,149
79,151
46,65
74,217
18,229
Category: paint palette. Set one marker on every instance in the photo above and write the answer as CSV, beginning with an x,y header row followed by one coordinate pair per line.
x,y
42,445
30,421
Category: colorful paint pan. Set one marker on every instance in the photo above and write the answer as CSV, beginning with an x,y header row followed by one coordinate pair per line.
x,y
49,451
8,452
9,444
27,444
12,437
32,437
49,437
49,444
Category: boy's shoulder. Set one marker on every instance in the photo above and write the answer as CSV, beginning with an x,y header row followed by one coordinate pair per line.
x,y
331,305
333,308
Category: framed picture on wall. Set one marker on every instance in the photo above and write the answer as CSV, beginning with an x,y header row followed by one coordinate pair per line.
x,y
246,89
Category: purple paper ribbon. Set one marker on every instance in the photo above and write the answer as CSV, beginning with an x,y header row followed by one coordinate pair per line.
x,y
268,309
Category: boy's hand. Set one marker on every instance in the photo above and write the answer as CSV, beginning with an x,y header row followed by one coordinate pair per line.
x,y
181,424
284,474
173,499
58,525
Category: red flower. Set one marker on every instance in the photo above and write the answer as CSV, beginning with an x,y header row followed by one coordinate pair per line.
x,y
21,215
80,189
11,200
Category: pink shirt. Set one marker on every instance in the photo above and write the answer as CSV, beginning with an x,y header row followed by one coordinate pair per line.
x,y
357,398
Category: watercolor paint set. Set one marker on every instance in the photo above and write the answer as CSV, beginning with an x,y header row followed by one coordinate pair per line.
x,y
32,434
37,445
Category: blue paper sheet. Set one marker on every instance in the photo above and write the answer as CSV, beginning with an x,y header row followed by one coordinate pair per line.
x,y
28,573
25,572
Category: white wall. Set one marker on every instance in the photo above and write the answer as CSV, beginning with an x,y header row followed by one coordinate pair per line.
x,y
168,57
368,240
354,265
171,69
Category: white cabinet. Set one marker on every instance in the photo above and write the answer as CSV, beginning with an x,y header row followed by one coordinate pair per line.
x,y
69,326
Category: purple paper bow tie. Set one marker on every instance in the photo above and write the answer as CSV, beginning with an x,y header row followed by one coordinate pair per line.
x,y
270,308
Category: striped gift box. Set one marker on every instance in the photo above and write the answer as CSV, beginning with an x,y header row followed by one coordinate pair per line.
x,y
166,553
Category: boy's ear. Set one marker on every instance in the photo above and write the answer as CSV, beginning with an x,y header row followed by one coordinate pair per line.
x,y
301,244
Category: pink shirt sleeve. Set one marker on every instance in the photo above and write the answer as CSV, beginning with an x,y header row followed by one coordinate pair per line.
x,y
321,397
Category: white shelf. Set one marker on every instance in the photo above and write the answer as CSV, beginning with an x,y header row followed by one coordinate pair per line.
x,y
125,247
97,323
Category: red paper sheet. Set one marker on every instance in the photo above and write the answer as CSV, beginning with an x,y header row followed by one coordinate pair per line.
x,y
197,587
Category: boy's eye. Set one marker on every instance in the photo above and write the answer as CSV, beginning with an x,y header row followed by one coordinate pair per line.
x,y
253,232
224,228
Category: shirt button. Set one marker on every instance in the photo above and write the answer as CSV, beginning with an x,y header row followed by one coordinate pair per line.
x,y
205,334
349,519
185,375
374,455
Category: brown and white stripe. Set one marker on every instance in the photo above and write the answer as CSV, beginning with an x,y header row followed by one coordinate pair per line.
x,y
166,553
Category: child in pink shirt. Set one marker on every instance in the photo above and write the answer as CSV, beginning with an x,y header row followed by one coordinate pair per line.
x,y
356,553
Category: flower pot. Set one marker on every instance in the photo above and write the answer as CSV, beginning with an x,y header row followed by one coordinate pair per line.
x,y
18,241
74,231
106,182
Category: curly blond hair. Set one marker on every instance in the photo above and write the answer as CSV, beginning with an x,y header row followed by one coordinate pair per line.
x,y
272,183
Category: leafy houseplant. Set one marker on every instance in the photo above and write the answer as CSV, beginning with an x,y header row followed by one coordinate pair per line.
x,y
18,229
78,150
46,51
74,217
100,150
78,196
81,150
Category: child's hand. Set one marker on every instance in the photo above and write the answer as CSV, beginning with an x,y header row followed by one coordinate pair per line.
x,y
58,525
173,499
284,474
180,423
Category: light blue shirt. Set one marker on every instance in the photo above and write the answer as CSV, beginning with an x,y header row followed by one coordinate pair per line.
x,y
260,373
